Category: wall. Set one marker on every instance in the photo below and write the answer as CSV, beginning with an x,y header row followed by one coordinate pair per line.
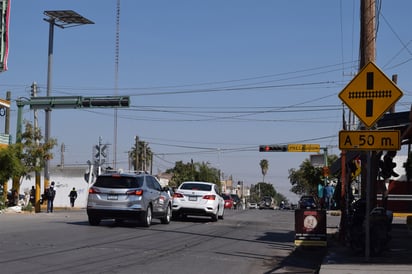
x,y
65,179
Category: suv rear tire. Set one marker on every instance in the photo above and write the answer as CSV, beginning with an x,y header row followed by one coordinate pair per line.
x,y
147,217
94,221
168,216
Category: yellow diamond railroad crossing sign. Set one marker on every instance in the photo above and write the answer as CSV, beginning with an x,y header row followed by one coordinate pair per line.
x,y
370,94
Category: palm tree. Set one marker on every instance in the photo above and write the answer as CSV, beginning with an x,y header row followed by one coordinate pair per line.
x,y
264,165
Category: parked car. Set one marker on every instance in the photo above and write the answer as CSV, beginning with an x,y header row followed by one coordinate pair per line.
x,y
253,205
199,199
267,202
228,201
125,196
307,202
237,202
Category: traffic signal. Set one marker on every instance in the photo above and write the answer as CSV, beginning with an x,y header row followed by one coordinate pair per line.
x,y
355,168
273,148
108,101
387,165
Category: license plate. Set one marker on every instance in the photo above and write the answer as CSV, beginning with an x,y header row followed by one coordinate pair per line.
x,y
192,198
111,197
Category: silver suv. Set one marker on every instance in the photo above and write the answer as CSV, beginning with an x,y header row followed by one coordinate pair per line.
x,y
125,196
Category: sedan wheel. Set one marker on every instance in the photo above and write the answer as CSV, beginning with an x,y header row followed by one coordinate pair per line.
x,y
221,216
215,216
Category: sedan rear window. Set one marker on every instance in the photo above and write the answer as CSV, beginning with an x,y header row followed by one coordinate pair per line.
x,y
119,182
194,186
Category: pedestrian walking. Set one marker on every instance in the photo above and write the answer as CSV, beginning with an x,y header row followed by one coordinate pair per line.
x,y
51,193
73,196
328,194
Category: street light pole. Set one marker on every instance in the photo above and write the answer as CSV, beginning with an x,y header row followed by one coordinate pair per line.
x,y
49,86
62,19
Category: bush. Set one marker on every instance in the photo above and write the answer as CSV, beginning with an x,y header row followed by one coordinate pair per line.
x,y
28,207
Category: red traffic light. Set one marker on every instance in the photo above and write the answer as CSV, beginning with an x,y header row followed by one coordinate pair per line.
x,y
273,148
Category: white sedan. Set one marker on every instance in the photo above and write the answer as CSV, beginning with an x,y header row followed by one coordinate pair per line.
x,y
199,199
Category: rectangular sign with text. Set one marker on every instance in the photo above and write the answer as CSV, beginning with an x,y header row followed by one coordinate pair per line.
x,y
303,147
370,140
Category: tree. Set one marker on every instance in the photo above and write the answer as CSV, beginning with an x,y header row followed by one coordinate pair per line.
x,y
32,152
144,155
193,172
266,190
206,173
305,180
264,166
10,164
10,167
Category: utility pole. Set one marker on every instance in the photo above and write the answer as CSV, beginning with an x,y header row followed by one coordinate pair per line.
x,y
7,132
136,165
37,173
62,150
367,33
367,54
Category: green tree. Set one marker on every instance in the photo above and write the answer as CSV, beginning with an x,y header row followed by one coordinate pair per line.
x,y
193,172
305,180
29,155
144,154
206,173
264,166
10,164
266,190
10,167
34,153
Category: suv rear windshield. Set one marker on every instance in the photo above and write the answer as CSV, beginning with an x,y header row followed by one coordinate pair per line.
x,y
119,181
194,186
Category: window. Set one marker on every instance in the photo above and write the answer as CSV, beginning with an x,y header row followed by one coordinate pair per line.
x,y
119,182
195,186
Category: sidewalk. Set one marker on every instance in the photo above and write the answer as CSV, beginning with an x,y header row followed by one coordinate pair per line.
x,y
397,259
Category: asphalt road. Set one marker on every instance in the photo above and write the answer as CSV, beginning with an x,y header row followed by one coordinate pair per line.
x,y
246,241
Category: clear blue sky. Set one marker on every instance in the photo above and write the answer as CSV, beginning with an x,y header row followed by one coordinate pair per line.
x,y
208,80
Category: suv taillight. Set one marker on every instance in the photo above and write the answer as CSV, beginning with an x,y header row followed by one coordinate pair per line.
x,y
138,192
209,197
93,190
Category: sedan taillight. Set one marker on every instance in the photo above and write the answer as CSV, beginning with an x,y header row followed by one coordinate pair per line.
x,y
209,197
177,195
138,192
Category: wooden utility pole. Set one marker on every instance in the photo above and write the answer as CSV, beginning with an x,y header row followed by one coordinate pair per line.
x,y
367,33
368,54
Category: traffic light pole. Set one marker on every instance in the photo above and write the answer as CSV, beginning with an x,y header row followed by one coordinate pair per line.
x,y
63,102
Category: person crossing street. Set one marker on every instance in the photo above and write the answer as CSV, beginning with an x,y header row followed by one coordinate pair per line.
x,y
73,196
